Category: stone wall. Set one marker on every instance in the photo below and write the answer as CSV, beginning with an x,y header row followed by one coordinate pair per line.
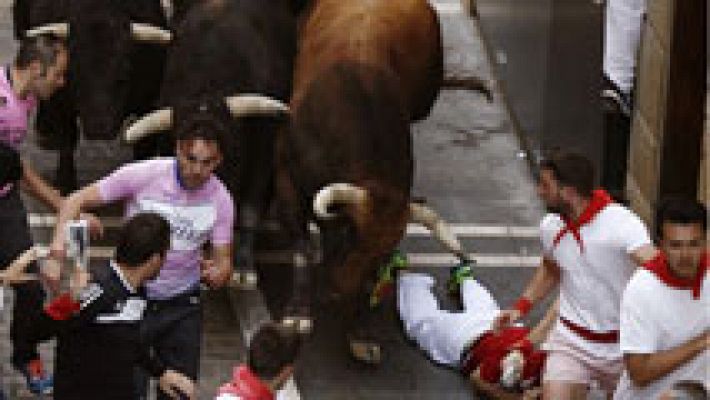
x,y
665,148
648,119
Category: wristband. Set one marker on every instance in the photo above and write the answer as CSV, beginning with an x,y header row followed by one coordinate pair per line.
x,y
524,305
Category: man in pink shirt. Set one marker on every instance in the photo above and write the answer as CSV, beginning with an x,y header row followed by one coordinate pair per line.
x,y
37,72
183,190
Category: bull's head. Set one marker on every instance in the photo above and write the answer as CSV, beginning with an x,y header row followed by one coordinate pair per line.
x,y
101,40
243,105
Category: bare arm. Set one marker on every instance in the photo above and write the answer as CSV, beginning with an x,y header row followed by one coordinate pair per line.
x,y
218,271
16,271
546,278
39,188
539,333
647,368
644,254
71,208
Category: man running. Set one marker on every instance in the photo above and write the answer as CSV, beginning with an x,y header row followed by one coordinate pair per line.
x,y
184,190
591,246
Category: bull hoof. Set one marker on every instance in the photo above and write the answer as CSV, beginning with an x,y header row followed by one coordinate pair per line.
x,y
302,325
244,280
366,352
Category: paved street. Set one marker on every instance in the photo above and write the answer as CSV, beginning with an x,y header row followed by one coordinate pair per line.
x,y
469,167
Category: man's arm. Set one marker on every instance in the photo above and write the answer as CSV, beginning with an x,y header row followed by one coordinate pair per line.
x,y
39,188
539,333
644,254
71,208
546,278
218,271
173,383
647,368
74,309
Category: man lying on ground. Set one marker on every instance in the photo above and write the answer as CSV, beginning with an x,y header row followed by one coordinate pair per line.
x,y
501,365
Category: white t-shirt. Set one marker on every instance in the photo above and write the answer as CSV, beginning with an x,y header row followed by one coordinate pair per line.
x,y
656,317
593,280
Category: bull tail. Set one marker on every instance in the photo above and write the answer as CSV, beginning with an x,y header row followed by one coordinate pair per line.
x,y
426,216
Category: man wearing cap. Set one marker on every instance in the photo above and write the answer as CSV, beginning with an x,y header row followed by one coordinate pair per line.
x,y
665,318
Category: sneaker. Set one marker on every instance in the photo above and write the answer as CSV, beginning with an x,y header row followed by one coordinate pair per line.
x,y
38,381
386,277
458,274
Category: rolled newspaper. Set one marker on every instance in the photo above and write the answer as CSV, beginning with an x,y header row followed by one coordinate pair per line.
x,y
77,239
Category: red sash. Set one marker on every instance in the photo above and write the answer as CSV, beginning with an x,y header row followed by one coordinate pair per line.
x,y
589,335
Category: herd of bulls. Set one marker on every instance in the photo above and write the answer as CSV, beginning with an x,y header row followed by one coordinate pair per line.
x,y
315,97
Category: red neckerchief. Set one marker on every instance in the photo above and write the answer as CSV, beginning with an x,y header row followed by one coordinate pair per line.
x,y
659,267
600,199
245,385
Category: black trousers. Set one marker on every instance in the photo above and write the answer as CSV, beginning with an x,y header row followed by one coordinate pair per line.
x,y
173,330
15,238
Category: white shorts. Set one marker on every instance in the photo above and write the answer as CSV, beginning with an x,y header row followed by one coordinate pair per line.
x,y
566,362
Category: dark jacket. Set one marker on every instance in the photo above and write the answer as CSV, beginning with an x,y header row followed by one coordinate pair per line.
x,y
98,341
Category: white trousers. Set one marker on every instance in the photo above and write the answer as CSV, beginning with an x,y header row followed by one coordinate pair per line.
x,y
443,334
621,40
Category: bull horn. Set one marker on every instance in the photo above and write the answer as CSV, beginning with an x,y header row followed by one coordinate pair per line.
x,y
336,193
60,29
254,104
426,216
158,120
150,33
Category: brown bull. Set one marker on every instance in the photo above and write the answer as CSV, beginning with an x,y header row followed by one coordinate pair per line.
x,y
364,71
401,36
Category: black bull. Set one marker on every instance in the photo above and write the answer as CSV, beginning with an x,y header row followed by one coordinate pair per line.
x,y
222,49
111,75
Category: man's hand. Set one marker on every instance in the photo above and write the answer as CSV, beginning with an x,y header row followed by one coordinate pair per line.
x,y
505,319
96,228
78,282
214,275
532,394
177,385
51,272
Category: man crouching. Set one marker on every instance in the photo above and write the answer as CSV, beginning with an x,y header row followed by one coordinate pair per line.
x,y
97,322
